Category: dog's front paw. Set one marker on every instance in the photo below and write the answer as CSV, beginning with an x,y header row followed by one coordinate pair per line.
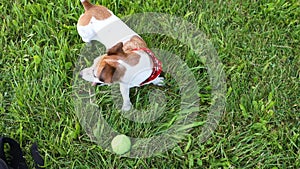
x,y
126,107
159,81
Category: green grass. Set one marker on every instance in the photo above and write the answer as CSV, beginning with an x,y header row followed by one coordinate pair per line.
x,y
258,43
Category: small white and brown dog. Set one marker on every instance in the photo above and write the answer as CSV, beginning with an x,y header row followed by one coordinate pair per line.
x,y
128,61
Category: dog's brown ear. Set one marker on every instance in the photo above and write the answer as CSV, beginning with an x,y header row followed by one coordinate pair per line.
x,y
116,50
86,4
111,72
119,70
107,74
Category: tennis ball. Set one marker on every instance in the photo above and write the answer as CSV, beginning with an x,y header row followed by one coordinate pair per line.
x,y
121,144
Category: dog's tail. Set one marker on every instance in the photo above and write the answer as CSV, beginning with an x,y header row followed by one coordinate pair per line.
x,y
86,4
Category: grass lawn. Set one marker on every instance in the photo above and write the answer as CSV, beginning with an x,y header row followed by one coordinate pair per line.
x,y
257,42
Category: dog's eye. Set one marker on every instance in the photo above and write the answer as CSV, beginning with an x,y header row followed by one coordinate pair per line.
x,y
94,74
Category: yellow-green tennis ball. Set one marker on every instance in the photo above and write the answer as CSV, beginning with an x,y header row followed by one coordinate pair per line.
x,y
121,144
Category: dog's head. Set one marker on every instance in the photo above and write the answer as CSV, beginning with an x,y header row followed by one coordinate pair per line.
x,y
92,14
107,68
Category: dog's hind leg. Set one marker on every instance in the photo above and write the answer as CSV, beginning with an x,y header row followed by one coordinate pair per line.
x,y
159,81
